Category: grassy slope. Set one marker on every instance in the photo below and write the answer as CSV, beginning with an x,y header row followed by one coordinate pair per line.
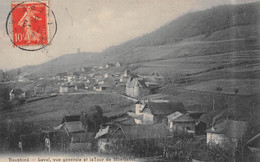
x,y
49,112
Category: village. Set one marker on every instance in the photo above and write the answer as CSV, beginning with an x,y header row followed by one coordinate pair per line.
x,y
155,126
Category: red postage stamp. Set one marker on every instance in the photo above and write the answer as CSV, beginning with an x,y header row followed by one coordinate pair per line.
x,y
30,23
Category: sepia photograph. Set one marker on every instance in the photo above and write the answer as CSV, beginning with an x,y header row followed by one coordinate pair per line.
x,y
130,80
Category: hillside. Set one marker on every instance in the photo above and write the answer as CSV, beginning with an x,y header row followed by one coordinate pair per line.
x,y
215,24
65,63
209,34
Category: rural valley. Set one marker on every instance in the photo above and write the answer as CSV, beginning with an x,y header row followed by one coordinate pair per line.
x,y
188,91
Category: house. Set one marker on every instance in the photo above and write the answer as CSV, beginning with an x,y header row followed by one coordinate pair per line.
x,y
23,78
73,127
16,93
197,110
123,79
157,77
83,77
76,85
180,122
39,89
106,75
64,89
136,87
207,120
79,139
79,86
101,82
70,78
117,74
100,67
109,65
227,132
155,112
118,64
99,88
113,132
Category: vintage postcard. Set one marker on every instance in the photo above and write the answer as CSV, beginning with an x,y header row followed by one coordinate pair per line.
x,y
129,80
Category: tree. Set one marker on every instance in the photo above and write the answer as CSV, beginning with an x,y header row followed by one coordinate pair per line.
x,y
216,153
177,146
92,118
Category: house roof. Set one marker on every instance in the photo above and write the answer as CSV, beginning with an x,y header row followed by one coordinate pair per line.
x,y
174,116
165,108
208,118
109,130
82,137
74,126
231,128
135,116
101,132
145,131
71,118
179,117
139,102
136,81
126,120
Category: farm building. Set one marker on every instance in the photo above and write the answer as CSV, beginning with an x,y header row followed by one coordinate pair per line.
x,y
227,132
180,122
155,112
16,93
136,87
112,132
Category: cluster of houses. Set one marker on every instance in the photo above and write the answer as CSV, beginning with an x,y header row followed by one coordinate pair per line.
x,y
151,121
111,77
91,78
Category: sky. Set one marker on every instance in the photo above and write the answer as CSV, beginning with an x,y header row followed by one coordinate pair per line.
x,y
94,25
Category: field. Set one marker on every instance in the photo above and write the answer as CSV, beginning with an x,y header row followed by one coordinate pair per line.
x,y
245,86
49,112
234,61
